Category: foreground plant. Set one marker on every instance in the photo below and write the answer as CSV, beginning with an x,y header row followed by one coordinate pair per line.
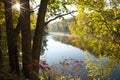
x,y
67,69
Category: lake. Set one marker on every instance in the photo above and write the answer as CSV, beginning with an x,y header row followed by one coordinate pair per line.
x,y
61,47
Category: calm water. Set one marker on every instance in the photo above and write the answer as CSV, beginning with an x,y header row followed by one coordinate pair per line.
x,y
59,48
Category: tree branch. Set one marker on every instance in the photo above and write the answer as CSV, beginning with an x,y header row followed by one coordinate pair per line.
x,y
58,17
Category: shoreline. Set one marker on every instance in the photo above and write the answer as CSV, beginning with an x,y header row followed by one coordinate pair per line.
x,y
60,34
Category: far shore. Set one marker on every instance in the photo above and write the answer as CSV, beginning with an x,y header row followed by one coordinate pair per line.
x,y
61,34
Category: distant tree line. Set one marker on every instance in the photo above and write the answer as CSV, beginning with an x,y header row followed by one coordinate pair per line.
x,y
61,26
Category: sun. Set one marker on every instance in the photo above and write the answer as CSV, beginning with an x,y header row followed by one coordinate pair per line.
x,y
17,6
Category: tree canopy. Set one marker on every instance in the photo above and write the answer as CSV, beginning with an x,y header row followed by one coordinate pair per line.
x,y
98,26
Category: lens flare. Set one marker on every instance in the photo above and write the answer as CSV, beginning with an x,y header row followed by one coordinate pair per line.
x,y
17,6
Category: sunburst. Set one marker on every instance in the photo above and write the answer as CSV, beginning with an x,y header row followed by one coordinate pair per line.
x,y
17,6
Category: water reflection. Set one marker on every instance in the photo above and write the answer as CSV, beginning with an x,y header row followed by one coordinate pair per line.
x,y
95,67
58,51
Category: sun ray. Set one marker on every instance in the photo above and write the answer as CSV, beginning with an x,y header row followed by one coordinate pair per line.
x,y
23,7
17,6
9,3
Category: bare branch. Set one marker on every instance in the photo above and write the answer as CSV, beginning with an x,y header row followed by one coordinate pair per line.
x,y
59,17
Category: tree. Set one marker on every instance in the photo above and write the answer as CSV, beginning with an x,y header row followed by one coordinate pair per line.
x,y
12,50
26,37
37,42
98,27
1,33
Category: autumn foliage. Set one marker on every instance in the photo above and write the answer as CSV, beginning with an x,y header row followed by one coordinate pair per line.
x,y
68,68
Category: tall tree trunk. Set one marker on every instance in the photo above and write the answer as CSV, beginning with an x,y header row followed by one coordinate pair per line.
x,y
37,41
0,47
26,39
12,49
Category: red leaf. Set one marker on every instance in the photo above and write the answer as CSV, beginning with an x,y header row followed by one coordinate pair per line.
x,y
48,68
44,62
81,61
42,67
30,65
76,61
